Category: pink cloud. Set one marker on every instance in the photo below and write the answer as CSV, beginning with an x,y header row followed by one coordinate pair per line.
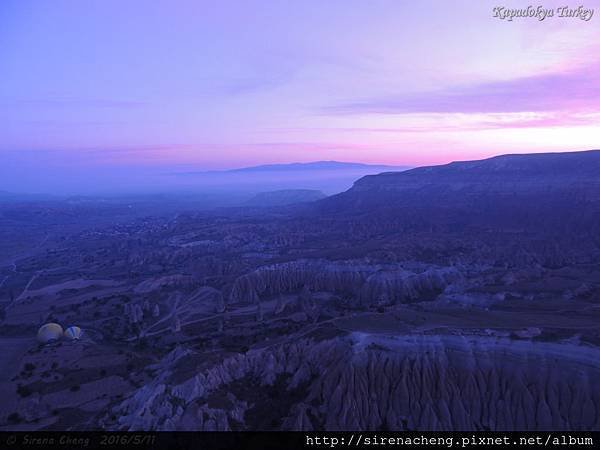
x,y
576,90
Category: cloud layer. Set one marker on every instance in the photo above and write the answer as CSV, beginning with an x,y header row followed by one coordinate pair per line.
x,y
572,91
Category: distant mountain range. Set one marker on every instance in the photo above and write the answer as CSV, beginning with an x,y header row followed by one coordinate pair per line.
x,y
301,167
329,177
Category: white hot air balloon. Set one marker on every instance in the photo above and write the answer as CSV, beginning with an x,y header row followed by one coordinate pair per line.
x,y
49,332
73,333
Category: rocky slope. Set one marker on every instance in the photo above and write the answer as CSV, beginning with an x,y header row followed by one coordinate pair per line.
x,y
376,382
546,192
365,283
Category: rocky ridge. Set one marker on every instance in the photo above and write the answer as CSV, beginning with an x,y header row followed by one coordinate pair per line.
x,y
367,284
376,382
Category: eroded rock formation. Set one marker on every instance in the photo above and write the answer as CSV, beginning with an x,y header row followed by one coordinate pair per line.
x,y
367,284
376,382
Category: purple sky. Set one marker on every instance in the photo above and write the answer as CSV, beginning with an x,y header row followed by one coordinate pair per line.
x,y
90,88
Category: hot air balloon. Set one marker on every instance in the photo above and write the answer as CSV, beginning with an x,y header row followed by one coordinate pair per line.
x,y
49,332
73,333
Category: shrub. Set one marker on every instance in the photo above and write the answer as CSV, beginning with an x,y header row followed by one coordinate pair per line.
x,y
14,418
23,391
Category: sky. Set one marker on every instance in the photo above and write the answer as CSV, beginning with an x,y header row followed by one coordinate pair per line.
x,y
93,91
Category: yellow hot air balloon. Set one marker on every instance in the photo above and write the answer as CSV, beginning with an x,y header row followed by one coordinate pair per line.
x,y
49,332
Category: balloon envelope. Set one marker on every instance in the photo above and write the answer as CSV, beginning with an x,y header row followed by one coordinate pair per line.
x,y
49,332
73,333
